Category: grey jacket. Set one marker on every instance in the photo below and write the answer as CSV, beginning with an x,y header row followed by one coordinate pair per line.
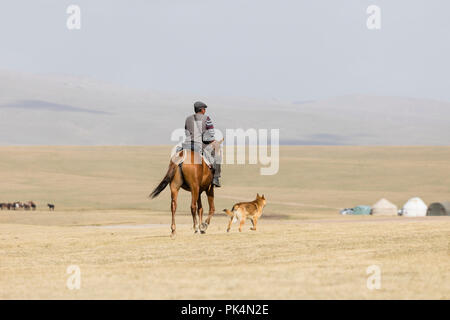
x,y
199,130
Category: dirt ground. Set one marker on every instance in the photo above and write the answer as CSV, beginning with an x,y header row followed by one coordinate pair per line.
x,y
303,249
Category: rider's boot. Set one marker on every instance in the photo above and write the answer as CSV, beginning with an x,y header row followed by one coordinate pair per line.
x,y
216,177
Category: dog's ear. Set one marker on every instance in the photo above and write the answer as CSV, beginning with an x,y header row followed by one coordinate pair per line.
x,y
257,195
263,197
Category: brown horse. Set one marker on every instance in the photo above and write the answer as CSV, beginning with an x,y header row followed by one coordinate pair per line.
x,y
195,176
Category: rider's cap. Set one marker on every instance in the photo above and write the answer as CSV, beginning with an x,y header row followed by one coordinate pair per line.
x,y
199,105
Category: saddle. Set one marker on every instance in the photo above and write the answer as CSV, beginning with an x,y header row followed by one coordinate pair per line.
x,y
180,155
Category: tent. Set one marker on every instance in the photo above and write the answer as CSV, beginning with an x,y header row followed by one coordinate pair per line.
x,y
414,207
384,208
358,210
362,210
439,209
346,211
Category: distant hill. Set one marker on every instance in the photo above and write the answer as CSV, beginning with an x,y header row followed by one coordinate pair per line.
x,y
59,110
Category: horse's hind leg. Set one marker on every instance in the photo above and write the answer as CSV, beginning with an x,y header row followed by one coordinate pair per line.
x,y
195,195
173,206
200,214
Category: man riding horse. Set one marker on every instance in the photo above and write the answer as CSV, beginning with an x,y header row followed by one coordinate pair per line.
x,y
188,170
199,137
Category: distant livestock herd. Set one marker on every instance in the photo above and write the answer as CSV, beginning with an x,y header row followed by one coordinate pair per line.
x,y
29,205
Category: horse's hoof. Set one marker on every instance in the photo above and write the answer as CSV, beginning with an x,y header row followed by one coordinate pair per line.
x,y
202,231
203,227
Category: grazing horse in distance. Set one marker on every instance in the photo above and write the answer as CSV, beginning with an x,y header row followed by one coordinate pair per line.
x,y
195,176
51,207
32,205
26,206
17,205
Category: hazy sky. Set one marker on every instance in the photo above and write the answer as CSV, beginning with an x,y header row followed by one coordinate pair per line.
x,y
289,50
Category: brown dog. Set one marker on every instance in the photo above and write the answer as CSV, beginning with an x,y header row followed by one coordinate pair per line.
x,y
244,210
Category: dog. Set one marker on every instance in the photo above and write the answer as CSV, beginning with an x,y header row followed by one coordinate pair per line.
x,y
243,210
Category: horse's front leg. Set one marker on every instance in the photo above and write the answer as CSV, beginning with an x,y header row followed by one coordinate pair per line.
x,y
212,209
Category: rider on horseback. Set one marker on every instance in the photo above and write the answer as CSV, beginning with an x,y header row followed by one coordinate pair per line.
x,y
199,137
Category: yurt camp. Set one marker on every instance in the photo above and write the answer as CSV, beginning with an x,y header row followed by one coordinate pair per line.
x,y
414,207
384,208
439,209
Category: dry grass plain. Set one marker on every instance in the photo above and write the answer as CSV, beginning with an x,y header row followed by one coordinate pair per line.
x,y
303,248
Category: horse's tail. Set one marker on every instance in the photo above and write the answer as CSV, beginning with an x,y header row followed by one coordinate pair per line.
x,y
165,181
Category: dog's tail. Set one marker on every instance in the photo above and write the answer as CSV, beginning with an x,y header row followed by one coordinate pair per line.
x,y
231,214
228,212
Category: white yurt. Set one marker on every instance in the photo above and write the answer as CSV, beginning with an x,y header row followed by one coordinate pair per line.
x,y
384,208
414,207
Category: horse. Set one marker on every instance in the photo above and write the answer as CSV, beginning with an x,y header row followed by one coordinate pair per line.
x,y
32,205
17,205
195,176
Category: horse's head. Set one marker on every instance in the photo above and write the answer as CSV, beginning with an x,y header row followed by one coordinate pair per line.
x,y
216,146
217,143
